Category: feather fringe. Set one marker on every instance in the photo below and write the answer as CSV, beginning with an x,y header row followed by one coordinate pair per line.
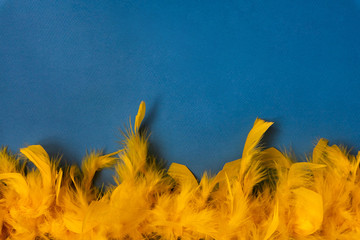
x,y
263,195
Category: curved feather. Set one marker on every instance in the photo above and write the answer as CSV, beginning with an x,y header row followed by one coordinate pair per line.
x,y
95,162
40,158
252,140
255,135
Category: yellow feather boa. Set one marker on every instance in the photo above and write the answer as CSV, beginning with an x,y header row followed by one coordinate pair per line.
x,y
263,195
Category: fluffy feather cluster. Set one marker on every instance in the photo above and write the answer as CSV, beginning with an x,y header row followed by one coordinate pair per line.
x,y
263,195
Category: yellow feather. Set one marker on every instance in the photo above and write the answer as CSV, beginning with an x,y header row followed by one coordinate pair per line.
x,y
40,158
255,135
182,175
274,222
8,163
239,168
319,151
301,174
93,163
308,211
140,115
16,182
134,155
253,139
59,176
231,169
332,156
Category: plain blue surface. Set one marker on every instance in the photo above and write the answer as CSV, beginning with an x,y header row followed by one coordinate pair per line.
x,y
72,72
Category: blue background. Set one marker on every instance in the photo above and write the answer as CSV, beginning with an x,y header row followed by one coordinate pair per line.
x,y
72,72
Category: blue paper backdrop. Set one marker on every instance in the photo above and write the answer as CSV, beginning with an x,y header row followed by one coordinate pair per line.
x,y
72,72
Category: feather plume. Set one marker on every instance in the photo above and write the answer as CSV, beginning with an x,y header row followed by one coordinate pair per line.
x,y
263,195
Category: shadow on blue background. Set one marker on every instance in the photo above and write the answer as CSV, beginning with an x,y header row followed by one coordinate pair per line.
x,y
71,74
